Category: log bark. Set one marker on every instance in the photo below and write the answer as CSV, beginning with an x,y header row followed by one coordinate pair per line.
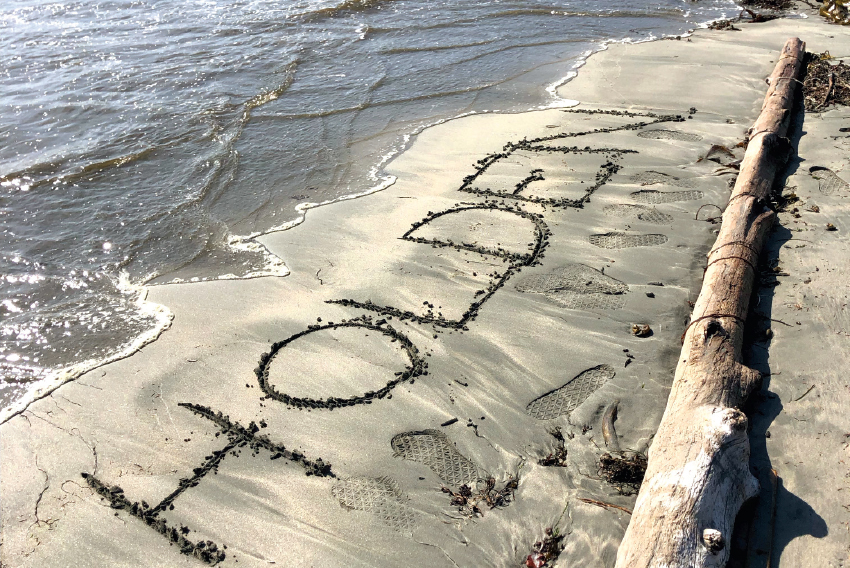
x,y
698,474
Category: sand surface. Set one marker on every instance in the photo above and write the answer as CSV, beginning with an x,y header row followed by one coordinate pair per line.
x,y
434,335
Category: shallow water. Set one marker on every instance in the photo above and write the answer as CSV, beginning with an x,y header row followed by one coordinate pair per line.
x,y
146,141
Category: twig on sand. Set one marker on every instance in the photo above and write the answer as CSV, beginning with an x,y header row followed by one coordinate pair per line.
x,y
805,393
440,549
603,504
828,89
696,217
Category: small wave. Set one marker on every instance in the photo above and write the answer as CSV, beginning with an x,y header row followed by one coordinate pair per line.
x,y
395,101
655,13
50,173
271,265
223,157
46,173
493,52
397,50
226,154
347,6
268,96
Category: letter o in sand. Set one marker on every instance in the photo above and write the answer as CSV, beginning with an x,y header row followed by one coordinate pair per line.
x,y
338,354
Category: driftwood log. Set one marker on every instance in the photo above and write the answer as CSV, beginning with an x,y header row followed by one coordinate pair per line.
x,y
698,473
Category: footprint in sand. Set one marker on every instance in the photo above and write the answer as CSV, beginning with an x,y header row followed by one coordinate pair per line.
x,y
828,180
379,496
653,197
652,177
567,398
639,212
434,449
616,240
662,134
577,286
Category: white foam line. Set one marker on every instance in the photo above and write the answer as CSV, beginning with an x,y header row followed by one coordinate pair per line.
x,y
302,208
552,89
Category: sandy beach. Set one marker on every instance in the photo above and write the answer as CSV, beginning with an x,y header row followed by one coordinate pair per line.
x,y
427,386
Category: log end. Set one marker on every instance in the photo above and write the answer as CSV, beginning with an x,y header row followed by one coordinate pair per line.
x,y
688,512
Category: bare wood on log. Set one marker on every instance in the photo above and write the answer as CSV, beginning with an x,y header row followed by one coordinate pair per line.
x,y
698,473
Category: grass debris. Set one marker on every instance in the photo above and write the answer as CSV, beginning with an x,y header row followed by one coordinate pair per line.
x,y
826,83
835,11
546,551
486,496
623,470
558,456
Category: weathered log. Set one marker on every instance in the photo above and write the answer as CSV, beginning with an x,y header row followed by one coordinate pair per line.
x,y
698,473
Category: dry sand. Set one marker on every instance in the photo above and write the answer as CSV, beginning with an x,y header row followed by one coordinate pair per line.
x,y
503,300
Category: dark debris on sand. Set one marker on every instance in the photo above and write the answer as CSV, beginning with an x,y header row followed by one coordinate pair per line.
x,y
486,496
558,456
825,83
776,5
748,14
728,25
835,11
546,551
623,470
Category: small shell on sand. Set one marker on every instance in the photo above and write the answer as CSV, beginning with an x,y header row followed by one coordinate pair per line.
x,y
641,330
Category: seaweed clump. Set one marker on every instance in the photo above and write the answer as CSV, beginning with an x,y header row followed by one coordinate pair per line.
x,y
546,551
825,83
623,470
471,504
835,11
728,25
558,456
747,15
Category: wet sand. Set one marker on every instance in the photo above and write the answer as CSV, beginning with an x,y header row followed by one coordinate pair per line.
x,y
434,335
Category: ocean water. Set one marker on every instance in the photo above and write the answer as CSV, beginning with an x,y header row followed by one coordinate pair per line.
x,y
149,141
